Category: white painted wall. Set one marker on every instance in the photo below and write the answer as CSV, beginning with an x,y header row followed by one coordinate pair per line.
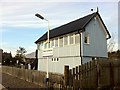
x,y
67,51
67,55
98,42
58,66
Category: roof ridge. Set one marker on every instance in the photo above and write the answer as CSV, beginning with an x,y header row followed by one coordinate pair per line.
x,y
95,13
74,21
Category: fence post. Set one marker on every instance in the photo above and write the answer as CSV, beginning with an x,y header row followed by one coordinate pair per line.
x,y
66,75
70,78
80,76
77,78
111,76
76,73
74,77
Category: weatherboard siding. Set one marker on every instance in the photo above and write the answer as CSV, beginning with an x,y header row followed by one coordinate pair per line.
x,y
66,55
98,44
58,66
70,54
67,51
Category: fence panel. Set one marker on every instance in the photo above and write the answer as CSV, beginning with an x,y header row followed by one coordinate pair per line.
x,y
96,74
35,76
104,74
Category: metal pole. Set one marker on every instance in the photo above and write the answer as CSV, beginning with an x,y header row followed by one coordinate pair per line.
x,y
48,41
48,45
48,35
47,76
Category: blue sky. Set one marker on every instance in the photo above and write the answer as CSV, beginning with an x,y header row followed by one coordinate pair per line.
x,y
20,27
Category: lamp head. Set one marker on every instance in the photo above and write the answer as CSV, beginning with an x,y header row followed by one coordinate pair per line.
x,y
39,16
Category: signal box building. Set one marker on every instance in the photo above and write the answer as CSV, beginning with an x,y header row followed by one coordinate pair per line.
x,y
73,44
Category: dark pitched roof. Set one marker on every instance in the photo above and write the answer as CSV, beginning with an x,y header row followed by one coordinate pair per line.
x,y
73,26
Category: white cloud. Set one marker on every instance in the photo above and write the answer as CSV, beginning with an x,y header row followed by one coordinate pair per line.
x,y
16,14
21,8
32,24
7,48
30,49
20,13
60,1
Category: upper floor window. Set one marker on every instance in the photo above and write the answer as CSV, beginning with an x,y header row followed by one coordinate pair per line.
x,y
66,40
49,45
77,38
71,39
52,43
56,42
86,38
38,46
45,45
61,41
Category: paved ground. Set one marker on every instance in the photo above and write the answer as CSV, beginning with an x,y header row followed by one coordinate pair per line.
x,y
1,86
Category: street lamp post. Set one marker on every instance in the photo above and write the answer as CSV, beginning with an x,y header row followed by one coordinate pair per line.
x,y
41,17
48,41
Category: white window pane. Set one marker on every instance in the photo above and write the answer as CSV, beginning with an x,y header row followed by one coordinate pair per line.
x,y
56,42
61,42
49,45
71,39
77,38
86,38
45,45
38,46
52,43
66,40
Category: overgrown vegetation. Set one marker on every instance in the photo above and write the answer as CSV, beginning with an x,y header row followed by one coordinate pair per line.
x,y
20,55
19,58
114,55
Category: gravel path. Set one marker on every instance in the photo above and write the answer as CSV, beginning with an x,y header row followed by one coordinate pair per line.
x,y
14,83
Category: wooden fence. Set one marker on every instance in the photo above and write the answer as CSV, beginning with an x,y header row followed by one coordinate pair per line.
x,y
94,75
34,76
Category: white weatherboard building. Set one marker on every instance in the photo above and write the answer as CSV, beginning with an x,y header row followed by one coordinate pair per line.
x,y
74,43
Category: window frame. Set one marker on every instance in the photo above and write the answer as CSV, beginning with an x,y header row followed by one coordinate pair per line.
x,y
45,45
86,38
71,35
61,42
77,35
66,36
57,42
52,43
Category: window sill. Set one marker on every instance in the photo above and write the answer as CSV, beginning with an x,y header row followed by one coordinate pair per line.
x,y
87,43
